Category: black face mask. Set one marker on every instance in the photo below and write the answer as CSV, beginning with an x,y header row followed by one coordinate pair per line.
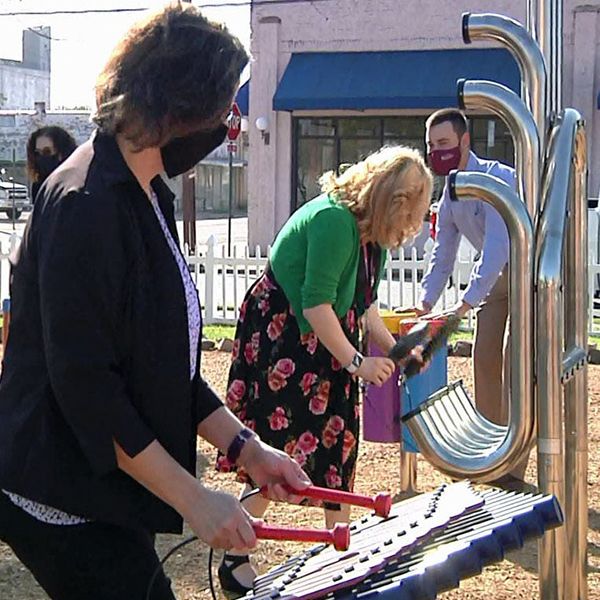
x,y
45,164
183,153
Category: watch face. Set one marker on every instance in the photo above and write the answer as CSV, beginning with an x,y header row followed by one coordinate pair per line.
x,y
357,360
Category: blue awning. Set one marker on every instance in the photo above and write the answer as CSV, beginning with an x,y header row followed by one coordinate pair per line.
x,y
403,79
243,98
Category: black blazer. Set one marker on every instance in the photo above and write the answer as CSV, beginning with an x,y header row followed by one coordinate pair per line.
x,y
98,346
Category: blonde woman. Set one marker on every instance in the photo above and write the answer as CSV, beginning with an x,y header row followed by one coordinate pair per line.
x,y
296,358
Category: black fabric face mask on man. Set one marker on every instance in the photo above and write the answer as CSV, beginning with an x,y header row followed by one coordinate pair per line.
x,y
45,164
183,153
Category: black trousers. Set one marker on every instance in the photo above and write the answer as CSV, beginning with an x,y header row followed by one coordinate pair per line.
x,y
92,561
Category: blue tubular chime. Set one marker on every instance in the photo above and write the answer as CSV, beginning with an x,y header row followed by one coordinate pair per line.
x,y
547,225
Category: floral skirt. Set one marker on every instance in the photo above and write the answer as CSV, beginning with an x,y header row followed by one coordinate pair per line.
x,y
290,389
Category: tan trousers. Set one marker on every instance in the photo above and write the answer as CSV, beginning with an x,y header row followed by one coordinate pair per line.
x,y
491,360
490,356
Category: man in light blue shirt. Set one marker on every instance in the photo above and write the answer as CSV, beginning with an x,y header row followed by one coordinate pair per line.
x,y
448,145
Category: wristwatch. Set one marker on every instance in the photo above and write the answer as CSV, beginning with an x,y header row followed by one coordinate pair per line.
x,y
355,363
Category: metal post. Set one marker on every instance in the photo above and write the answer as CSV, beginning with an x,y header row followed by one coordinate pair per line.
x,y
230,215
543,18
408,471
557,54
532,16
576,401
188,202
12,179
549,348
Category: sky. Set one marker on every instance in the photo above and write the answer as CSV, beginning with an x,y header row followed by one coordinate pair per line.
x,y
81,44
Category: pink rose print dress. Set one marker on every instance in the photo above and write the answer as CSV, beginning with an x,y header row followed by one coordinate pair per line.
x,y
291,390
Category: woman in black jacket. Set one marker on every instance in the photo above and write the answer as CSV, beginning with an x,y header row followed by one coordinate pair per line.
x,y
101,397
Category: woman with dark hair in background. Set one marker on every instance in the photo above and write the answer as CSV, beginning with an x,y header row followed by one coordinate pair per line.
x,y
101,397
47,148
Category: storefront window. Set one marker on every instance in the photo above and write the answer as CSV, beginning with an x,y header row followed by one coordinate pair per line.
x,y
490,138
315,157
322,144
352,151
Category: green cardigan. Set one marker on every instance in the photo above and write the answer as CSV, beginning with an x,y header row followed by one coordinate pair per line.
x,y
315,258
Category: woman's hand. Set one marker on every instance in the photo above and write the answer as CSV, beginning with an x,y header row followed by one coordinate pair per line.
x,y
376,369
218,519
273,468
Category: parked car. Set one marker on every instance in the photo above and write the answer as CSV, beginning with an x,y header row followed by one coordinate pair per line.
x,y
14,197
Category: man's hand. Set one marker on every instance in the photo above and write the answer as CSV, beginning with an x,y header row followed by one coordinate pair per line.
x,y
424,309
419,311
460,310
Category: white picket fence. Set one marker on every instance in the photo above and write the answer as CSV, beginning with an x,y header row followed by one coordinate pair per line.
x,y
223,280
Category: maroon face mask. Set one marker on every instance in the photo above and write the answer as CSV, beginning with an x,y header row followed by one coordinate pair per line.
x,y
444,161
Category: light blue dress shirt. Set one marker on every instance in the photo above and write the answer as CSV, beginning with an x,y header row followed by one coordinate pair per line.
x,y
482,226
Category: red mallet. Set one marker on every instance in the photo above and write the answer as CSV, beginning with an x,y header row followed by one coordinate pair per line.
x,y
339,536
381,503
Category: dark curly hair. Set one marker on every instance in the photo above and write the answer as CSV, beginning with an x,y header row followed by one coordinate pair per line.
x,y
63,141
173,73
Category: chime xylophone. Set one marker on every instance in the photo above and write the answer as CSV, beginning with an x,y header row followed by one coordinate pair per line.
x,y
425,546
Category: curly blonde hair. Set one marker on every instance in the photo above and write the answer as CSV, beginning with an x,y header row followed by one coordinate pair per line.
x,y
388,192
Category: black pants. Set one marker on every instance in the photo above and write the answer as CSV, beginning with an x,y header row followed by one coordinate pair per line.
x,y
92,561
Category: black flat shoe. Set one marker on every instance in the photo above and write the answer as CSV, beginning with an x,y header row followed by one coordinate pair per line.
x,y
229,584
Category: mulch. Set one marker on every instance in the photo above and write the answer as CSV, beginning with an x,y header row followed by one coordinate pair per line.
x,y
513,578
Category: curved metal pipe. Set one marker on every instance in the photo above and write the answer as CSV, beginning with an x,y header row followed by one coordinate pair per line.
x,y
513,36
500,456
504,103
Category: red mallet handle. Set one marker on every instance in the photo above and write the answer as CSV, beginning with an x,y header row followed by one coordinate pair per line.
x,y
339,536
381,503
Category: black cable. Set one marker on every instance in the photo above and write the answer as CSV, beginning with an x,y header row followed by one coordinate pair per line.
x,y
90,11
165,559
185,542
211,551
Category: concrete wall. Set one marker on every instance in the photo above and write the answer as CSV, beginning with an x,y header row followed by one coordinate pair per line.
x,y
23,83
21,88
278,30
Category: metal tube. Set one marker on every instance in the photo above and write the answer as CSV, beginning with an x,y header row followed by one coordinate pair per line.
x,y
526,52
408,471
550,238
576,408
557,54
531,19
503,102
500,457
544,37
